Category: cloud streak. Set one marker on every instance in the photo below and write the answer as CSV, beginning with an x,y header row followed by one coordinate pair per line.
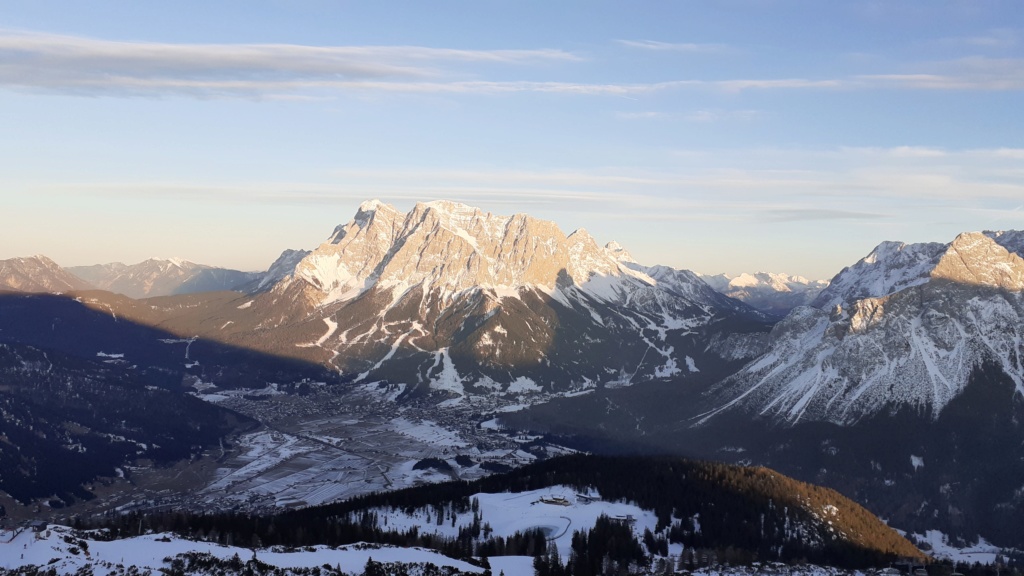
x,y
811,214
802,185
77,65
58,62
975,73
63,64
688,47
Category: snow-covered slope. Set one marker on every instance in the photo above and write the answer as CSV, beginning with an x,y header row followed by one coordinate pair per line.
x,y
889,268
768,291
283,267
38,274
904,327
160,277
69,551
448,297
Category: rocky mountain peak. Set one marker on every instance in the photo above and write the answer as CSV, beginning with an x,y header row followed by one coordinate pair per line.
x,y
890,267
453,246
975,258
281,268
620,253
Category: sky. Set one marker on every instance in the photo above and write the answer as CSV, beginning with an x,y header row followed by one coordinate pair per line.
x,y
721,137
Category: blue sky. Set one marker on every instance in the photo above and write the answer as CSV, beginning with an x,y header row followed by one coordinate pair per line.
x,y
758,135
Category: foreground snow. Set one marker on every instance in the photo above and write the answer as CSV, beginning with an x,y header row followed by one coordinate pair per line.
x,y
558,511
67,551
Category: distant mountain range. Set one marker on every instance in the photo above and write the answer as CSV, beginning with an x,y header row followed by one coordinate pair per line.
x,y
161,277
900,382
768,292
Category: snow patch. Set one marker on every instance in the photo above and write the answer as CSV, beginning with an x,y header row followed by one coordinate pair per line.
x,y
523,385
691,365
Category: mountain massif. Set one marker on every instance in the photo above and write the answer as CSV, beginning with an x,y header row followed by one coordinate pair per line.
x,y
452,301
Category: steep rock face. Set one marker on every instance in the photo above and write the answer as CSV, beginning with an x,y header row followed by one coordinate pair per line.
x,y
452,247
977,260
767,291
280,269
38,274
160,277
903,328
453,299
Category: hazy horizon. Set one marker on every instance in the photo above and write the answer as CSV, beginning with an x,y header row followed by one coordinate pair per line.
x,y
742,136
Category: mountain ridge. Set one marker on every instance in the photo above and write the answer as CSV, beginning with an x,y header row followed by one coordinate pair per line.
x,y
906,325
161,277
38,274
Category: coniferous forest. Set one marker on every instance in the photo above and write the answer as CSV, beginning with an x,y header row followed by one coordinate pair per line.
x,y
717,512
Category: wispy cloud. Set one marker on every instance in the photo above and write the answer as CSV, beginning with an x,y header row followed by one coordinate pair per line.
x,y
1014,153
841,178
77,65
997,38
806,214
674,47
58,62
975,73
696,116
646,115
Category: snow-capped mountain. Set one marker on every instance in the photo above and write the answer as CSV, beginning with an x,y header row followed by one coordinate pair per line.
x,y
456,299
38,274
905,327
161,277
767,291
